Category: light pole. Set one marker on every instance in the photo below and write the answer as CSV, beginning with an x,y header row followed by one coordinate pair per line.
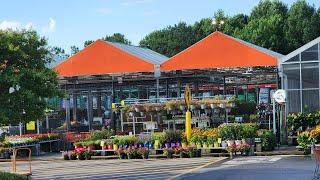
x,y
47,113
12,90
217,24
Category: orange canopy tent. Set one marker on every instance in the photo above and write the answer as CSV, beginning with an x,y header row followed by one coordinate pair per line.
x,y
103,57
221,51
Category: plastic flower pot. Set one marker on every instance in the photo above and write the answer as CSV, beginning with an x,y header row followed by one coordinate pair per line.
x,y
205,145
216,144
210,145
115,147
156,144
110,146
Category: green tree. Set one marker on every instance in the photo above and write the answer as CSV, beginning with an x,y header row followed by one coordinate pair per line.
x,y
202,28
303,24
235,24
87,43
25,80
117,37
171,40
220,19
74,50
266,26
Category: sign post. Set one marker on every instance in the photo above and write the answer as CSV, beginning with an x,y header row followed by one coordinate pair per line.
x,y
188,98
280,97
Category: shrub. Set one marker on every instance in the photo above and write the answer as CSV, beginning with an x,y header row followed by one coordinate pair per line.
x,y
237,131
103,134
303,121
160,136
173,136
268,140
10,176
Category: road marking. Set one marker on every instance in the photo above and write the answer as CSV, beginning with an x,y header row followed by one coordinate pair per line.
x,y
197,168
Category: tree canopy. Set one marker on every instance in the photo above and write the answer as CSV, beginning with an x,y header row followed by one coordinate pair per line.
x,y
171,40
115,37
271,24
25,80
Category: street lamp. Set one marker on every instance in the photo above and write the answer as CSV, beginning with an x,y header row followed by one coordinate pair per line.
x,y
217,25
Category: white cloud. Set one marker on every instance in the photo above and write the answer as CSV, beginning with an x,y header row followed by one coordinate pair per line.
x,y
50,27
14,25
29,26
104,11
52,24
132,2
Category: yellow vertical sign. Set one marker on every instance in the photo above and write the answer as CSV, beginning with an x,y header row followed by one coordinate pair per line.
x,y
31,126
188,98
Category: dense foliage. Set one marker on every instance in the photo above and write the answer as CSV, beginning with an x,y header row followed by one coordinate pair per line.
x,y
11,176
237,131
271,24
303,121
268,140
25,80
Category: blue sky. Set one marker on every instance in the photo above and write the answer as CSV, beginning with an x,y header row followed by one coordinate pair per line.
x,y
71,22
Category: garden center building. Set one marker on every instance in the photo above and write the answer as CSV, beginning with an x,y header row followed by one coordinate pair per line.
x,y
300,77
106,72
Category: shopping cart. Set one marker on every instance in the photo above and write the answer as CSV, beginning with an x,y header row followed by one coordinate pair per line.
x,y
316,175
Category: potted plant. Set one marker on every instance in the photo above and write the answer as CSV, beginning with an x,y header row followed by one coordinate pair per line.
x,y
210,141
144,153
65,155
81,155
109,144
87,155
245,149
232,149
168,152
192,152
132,153
115,143
305,141
193,140
121,153
73,156
184,142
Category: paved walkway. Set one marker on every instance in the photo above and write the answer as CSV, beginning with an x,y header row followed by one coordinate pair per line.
x,y
116,169
263,168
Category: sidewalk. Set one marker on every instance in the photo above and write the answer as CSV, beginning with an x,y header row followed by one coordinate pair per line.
x,y
282,150
48,157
